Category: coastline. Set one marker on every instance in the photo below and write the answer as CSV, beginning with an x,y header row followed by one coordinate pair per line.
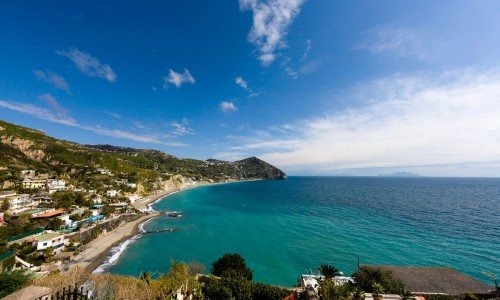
x,y
99,252
96,252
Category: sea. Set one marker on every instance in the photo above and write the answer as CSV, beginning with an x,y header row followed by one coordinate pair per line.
x,y
287,228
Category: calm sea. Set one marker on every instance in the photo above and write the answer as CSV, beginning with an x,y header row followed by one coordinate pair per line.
x,y
287,228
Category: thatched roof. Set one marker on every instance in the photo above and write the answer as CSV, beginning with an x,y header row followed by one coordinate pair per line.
x,y
430,280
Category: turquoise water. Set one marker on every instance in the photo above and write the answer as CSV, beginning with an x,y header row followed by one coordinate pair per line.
x,y
285,228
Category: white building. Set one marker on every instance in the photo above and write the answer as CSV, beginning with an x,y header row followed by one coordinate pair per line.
x,y
132,185
104,171
133,198
17,202
97,200
51,239
112,193
54,185
34,183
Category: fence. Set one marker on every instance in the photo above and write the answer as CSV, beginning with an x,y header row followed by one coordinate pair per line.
x,y
69,293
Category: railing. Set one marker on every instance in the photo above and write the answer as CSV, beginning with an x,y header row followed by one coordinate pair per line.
x,y
69,293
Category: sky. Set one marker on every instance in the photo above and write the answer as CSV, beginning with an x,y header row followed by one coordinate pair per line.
x,y
315,87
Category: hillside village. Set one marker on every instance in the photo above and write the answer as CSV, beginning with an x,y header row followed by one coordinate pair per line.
x,y
56,196
43,219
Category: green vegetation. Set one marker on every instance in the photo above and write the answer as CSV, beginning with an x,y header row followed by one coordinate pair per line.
x,y
231,264
328,271
78,163
67,199
371,278
12,281
235,281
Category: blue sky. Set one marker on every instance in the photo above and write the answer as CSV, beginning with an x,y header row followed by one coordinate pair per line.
x,y
315,87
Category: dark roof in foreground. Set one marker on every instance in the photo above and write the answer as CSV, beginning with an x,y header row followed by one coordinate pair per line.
x,y
430,280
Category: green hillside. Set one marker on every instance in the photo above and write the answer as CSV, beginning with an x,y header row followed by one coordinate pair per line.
x,y
24,148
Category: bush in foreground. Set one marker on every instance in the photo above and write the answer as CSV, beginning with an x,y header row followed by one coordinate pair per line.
x,y
12,281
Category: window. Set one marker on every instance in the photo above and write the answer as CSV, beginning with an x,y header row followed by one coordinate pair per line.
x,y
45,244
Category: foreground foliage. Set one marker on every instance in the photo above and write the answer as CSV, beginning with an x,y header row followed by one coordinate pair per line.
x,y
12,281
366,277
235,282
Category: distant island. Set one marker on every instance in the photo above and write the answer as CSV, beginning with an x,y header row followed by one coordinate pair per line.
x,y
400,174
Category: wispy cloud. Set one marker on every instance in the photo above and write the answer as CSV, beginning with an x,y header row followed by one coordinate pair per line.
x,y
241,82
180,128
405,121
114,115
178,79
227,106
52,102
305,56
88,64
55,80
49,115
401,41
271,19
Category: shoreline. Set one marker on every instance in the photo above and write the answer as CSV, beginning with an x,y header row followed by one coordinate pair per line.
x,y
97,252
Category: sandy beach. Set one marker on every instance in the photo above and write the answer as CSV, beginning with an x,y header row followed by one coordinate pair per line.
x,y
94,253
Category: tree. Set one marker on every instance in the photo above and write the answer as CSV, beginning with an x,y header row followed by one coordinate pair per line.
x,y
48,253
195,267
107,210
5,205
377,290
329,271
12,281
367,276
268,292
234,262
215,290
55,223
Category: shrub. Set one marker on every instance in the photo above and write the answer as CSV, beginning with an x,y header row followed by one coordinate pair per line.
x,y
268,292
12,281
234,262
367,276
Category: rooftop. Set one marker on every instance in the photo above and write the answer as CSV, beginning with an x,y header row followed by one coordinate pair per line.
x,y
431,280
7,193
49,214
48,236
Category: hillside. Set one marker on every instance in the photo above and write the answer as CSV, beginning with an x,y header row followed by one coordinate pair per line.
x,y
25,148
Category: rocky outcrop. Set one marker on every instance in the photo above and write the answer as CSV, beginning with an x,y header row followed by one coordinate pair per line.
x,y
258,168
25,146
175,183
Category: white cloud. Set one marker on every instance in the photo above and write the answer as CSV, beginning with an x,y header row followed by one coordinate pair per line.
x,y
392,39
89,65
305,56
271,19
57,81
419,121
180,128
49,115
227,106
241,82
114,115
52,102
178,79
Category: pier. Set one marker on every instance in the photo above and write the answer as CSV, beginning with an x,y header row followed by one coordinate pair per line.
x,y
174,214
159,230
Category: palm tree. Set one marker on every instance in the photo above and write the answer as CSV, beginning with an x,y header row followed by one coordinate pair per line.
x,y
329,271
358,294
377,290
